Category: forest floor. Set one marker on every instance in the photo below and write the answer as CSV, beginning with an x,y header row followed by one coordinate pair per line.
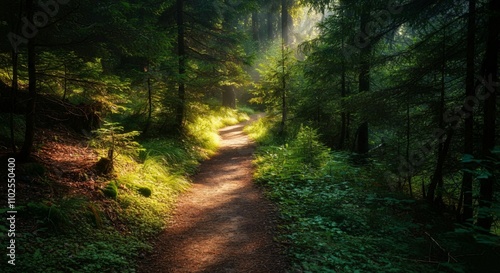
x,y
223,223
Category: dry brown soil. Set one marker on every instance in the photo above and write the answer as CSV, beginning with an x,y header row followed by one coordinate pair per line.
x,y
223,224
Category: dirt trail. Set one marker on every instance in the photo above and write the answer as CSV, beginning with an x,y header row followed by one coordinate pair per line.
x,y
223,224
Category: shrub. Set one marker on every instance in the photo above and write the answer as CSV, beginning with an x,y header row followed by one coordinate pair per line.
x,y
307,149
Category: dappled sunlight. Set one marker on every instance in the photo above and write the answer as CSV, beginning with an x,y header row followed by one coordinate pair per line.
x,y
220,224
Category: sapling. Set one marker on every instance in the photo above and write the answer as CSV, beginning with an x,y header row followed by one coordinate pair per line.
x,y
110,138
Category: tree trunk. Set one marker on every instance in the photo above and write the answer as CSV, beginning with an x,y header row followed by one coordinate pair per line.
x,y
361,146
438,201
437,177
255,26
343,130
181,52
270,26
408,135
343,93
284,22
469,120
13,93
228,97
436,185
284,43
15,82
283,92
65,83
490,70
150,107
30,108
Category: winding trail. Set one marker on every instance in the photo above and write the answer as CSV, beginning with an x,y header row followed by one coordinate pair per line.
x,y
223,224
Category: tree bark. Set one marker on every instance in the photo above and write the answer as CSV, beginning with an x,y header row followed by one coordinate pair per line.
x,y
13,93
437,183
408,135
283,92
343,93
284,44
181,54
361,146
284,22
228,97
469,120
438,201
490,69
255,26
15,81
150,107
437,177
29,135
270,26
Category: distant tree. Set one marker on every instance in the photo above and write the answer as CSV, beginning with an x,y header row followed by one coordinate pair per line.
x,y
489,71
27,147
469,119
181,54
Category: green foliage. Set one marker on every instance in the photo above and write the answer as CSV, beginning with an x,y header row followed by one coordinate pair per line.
x,y
260,130
111,190
202,126
55,215
5,139
245,109
111,138
306,148
99,251
277,70
75,235
329,221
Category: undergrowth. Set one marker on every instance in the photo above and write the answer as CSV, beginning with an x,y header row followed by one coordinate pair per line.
x,y
336,217
109,234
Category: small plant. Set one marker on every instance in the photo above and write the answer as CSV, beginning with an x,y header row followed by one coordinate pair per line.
x,y
111,139
56,214
95,215
307,149
111,190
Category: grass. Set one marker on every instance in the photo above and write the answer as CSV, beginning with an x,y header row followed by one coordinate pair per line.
x,y
110,233
261,131
336,217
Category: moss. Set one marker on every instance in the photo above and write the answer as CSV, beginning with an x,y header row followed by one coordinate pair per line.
x,y
111,190
144,191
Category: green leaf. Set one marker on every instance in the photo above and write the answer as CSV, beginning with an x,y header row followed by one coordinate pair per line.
x,y
484,174
467,158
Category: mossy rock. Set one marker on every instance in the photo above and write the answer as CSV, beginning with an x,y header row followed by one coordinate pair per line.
x,y
111,190
144,191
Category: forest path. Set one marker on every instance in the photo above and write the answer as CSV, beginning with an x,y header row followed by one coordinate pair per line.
x,y
223,223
